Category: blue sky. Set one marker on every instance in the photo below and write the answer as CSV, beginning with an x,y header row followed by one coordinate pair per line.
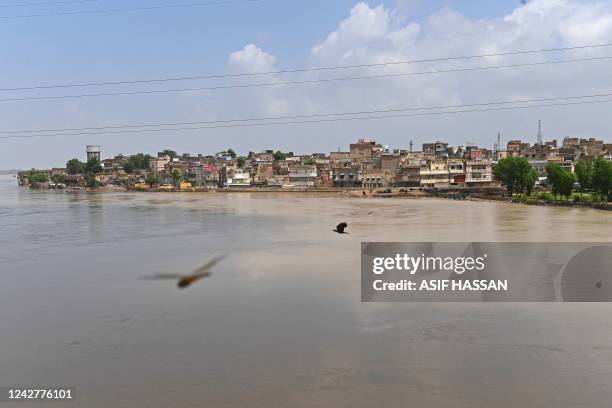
x,y
199,40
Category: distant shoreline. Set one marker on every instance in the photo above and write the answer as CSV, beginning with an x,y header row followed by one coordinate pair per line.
x,y
459,194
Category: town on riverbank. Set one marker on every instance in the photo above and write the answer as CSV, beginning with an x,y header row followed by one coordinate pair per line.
x,y
577,171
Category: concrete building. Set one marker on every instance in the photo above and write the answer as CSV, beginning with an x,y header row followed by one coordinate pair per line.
x,y
436,150
339,156
377,178
456,172
303,176
408,175
478,172
389,161
239,178
434,173
347,177
362,150
158,164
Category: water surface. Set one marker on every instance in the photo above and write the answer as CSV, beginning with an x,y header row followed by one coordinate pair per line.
x,y
280,322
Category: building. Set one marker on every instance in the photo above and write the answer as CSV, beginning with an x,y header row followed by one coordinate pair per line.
x,y
339,156
303,176
239,178
377,178
434,174
389,161
436,150
347,177
408,175
456,172
478,172
158,164
362,150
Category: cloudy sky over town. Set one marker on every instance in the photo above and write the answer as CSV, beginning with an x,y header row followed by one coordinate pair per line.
x,y
274,35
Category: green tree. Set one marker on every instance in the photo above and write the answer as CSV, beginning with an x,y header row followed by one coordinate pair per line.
x,y
141,161
152,180
74,166
584,175
168,152
567,184
561,180
278,156
38,177
241,162
90,180
58,179
602,177
138,161
530,180
554,173
93,166
232,153
310,162
516,174
129,166
176,177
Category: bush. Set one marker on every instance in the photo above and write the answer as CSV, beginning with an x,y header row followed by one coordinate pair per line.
x,y
38,177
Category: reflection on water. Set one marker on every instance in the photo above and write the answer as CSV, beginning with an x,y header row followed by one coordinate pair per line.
x,y
279,323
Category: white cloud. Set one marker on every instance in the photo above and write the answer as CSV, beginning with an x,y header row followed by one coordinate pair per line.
x,y
251,59
372,33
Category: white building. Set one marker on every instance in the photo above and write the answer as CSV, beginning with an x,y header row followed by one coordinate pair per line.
x,y
303,176
239,179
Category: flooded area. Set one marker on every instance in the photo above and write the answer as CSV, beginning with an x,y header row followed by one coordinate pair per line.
x,y
279,322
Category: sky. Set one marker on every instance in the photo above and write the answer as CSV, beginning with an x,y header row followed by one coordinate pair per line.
x,y
271,35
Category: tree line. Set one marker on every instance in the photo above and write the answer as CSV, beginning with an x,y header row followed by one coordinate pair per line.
x,y
518,176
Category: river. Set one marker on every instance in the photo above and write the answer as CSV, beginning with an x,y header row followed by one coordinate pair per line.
x,y
279,322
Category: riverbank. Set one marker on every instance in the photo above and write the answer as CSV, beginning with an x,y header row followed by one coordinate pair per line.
x,y
470,194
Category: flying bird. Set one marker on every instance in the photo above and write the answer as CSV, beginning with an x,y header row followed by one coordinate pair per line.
x,y
340,228
183,281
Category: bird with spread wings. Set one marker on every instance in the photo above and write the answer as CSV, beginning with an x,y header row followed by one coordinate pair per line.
x,y
184,281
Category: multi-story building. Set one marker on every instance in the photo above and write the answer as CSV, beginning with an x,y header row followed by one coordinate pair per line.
x,y
347,177
389,161
478,172
436,150
377,178
239,178
456,172
303,176
434,173
363,150
408,174
158,164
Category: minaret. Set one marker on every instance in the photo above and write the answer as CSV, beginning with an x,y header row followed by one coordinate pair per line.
x,y
411,143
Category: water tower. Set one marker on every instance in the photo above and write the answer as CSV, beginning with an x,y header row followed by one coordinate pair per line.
x,y
93,152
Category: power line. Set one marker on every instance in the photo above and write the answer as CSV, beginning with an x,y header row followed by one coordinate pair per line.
x,y
46,3
316,121
298,70
119,10
302,82
324,120
314,115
